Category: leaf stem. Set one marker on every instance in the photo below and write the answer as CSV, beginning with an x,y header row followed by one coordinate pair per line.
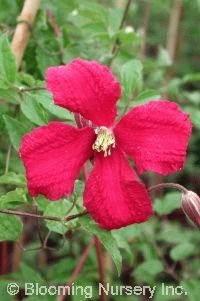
x,y
170,185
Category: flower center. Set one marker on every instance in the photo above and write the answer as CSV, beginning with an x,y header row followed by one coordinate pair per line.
x,y
104,141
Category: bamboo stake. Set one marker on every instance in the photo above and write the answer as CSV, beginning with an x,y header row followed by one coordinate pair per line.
x,y
174,28
23,29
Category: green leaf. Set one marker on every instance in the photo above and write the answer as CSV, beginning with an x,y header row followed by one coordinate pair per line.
x,y
194,98
42,298
149,268
12,199
33,110
191,77
174,234
59,209
194,115
114,19
169,292
10,95
3,289
168,204
10,227
106,239
60,270
16,130
8,69
29,275
191,288
3,110
45,99
13,179
123,235
164,59
131,77
45,60
127,38
26,79
147,95
182,251
93,11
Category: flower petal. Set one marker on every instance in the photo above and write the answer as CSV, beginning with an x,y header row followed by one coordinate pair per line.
x,y
84,87
155,135
53,156
113,196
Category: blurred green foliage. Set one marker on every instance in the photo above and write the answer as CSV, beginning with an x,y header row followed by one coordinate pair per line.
x,y
163,252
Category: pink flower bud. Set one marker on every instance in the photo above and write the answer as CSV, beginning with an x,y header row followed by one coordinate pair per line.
x,y
190,202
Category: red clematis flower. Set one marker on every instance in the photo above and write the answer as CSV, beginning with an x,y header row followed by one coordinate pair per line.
x,y
154,135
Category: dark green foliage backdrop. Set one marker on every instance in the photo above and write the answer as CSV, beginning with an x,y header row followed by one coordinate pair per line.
x,y
164,250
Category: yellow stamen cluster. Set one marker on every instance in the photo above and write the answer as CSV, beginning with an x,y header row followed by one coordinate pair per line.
x,y
104,141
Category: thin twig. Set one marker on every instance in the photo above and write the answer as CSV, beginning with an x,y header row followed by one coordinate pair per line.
x,y
53,23
51,218
77,269
116,45
72,206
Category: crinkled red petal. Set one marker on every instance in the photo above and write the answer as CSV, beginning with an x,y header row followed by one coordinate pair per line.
x,y
113,196
53,156
155,135
85,87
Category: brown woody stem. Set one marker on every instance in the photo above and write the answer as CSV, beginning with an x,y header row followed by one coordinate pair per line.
x,y
51,218
77,269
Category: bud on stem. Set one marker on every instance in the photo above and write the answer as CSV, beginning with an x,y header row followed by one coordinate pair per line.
x,y
190,203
